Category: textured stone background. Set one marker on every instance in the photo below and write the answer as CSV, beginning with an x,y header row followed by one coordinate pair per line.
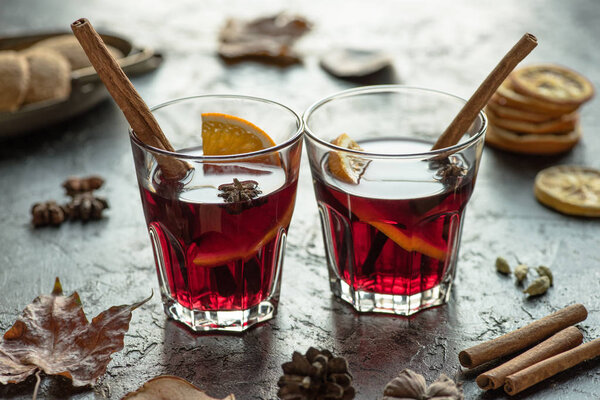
x,y
450,46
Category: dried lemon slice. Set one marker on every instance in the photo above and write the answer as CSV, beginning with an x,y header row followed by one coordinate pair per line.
x,y
345,167
569,189
552,83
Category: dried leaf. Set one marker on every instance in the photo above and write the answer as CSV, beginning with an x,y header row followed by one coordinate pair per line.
x,y
169,388
268,39
53,335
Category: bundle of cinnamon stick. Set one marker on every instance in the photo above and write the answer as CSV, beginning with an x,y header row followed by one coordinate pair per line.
x,y
558,348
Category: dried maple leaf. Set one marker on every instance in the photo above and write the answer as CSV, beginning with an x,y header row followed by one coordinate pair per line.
x,y
168,387
53,335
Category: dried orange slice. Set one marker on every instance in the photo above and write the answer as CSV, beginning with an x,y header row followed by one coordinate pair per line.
x,y
552,83
506,96
531,144
569,189
345,167
224,134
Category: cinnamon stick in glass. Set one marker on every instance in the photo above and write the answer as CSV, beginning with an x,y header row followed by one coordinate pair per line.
x,y
523,337
536,373
132,105
558,343
484,92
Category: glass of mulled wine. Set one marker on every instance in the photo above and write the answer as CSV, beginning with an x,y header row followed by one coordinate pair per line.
x,y
218,231
391,209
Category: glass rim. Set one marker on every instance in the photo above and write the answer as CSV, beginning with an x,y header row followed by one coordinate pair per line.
x,y
184,156
390,89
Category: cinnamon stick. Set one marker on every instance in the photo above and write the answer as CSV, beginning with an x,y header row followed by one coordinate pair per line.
x,y
484,92
536,373
523,337
127,98
560,342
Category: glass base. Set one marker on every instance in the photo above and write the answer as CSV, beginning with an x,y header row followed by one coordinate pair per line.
x,y
227,321
391,304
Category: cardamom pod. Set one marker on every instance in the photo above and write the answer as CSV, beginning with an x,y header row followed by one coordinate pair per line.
x,y
502,266
545,271
538,286
521,272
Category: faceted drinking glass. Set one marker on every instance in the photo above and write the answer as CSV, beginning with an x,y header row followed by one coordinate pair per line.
x,y
391,208
218,234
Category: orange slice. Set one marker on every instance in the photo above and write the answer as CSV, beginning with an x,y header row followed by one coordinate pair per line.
x,y
224,134
409,243
349,169
216,259
345,167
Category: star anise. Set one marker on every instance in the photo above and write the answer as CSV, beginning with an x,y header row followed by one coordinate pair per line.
x,y
239,191
450,172
48,213
86,206
74,185
240,195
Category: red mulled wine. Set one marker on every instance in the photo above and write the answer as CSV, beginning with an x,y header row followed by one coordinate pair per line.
x,y
397,231
217,253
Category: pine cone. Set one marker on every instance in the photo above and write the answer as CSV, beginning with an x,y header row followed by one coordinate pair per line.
x,y
75,185
86,206
48,213
318,375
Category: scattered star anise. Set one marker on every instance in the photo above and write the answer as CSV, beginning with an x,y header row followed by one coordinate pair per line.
x,y
48,213
410,385
317,375
86,206
74,185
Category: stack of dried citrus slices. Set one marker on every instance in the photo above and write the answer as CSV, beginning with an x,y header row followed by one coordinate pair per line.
x,y
535,110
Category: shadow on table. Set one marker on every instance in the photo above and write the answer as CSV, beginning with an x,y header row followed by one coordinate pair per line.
x,y
379,346
51,387
220,363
